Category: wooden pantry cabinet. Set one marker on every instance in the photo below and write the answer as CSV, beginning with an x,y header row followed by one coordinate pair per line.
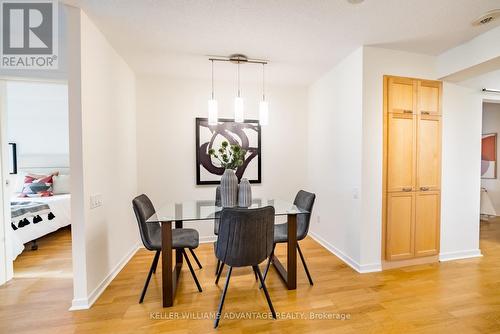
x,y
412,171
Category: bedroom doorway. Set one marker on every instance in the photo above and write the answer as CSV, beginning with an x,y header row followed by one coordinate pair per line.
x,y
36,174
490,179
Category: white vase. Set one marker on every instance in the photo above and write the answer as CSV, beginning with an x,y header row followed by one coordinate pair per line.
x,y
229,189
245,194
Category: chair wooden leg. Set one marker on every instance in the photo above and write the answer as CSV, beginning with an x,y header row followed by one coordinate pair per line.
x,y
257,270
305,265
220,272
155,265
155,260
217,267
191,270
195,258
219,311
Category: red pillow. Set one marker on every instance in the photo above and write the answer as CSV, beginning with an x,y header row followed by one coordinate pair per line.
x,y
40,186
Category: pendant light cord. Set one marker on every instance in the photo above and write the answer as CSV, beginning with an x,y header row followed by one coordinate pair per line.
x,y
238,79
212,79
263,84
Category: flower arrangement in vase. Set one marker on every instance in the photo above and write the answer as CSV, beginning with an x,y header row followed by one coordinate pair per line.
x,y
230,157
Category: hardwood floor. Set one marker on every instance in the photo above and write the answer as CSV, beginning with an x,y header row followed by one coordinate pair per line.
x,y
454,297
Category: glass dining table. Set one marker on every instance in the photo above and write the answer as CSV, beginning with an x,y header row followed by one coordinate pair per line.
x,y
175,214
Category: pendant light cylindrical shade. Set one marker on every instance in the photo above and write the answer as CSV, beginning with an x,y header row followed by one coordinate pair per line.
x,y
212,112
238,103
212,104
238,110
263,113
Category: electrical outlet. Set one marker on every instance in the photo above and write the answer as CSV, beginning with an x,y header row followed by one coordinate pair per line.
x,y
318,219
355,193
95,201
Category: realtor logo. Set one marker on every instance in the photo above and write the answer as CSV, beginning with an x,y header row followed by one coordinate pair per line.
x,y
29,34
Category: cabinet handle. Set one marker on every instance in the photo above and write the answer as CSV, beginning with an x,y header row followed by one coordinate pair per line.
x,y
424,188
408,111
407,189
425,112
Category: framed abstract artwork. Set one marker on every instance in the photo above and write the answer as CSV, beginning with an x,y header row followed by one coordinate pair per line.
x,y
489,156
246,134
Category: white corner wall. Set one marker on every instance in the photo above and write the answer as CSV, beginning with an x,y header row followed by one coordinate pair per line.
x,y
460,155
341,168
491,124
166,112
461,170
334,157
378,62
103,130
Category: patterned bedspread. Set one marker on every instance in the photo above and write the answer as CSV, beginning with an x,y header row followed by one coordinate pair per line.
x,y
25,213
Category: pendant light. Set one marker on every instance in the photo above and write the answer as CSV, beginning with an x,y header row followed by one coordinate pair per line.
x,y
212,104
238,102
239,115
264,106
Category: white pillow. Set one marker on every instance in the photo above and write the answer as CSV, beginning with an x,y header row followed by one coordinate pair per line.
x,y
61,184
18,182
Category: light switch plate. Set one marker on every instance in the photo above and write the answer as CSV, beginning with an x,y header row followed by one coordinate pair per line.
x,y
95,201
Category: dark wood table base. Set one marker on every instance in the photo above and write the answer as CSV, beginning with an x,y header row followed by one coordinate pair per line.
x,y
170,278
289,275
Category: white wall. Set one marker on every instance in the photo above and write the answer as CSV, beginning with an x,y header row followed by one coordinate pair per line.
x,y
37,121
102,99
461,116
166,112
461,170
377,63
353,228
491,124
334,157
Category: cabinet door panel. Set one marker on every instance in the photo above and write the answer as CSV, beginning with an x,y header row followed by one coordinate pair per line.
x,y
401,152
429,95
427,218
402,95
400,226
429,153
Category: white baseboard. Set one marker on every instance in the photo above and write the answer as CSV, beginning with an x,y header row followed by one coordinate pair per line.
x,y
467,254
360,268
86,303
208,239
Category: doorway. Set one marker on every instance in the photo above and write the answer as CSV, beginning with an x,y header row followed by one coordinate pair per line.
x,y
36,174
490,178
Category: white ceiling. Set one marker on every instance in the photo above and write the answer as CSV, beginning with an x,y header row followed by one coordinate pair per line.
x,y
301,38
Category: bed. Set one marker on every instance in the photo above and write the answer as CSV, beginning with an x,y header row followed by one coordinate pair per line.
x,y
59,206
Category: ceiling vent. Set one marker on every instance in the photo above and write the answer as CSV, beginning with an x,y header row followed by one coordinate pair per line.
x,y
487,17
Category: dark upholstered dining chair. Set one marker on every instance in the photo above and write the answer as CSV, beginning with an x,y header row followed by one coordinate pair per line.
x,y
305,201
220,267
246,238
182,238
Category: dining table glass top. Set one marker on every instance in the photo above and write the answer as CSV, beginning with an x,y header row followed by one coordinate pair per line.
x,y
206,210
